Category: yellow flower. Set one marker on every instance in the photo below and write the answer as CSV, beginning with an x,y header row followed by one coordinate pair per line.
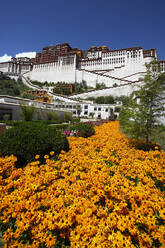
x,y
50,241
46,156
52,153
37,156
102,193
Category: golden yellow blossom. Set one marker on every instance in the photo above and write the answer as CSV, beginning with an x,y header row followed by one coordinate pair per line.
x,y
102,193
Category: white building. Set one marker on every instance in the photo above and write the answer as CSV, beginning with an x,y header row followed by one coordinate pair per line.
x,y
16,66
85,109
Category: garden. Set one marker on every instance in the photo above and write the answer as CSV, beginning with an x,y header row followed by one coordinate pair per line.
x,y
94,190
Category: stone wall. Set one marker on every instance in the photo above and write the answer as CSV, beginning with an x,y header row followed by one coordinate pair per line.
x,y
52,73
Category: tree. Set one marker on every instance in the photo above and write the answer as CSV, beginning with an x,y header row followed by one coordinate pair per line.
x,y
115,85
100,86
100,100
146,106
124,99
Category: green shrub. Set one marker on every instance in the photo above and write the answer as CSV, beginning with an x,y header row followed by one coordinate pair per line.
x,y
68,116
53,121
6,117
27,112
84,129
28,139
11,87
11,123
52,116
60,127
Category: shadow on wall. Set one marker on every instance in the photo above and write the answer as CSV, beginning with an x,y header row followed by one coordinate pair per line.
x,y
8,112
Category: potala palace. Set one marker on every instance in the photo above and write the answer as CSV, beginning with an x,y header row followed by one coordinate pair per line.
x,y
120,70
96,65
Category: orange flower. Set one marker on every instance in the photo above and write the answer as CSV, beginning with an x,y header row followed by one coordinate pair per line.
x,y
50,241
46,156
37,156
101,193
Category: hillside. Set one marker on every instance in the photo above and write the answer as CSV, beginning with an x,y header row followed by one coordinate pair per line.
x,y
11,87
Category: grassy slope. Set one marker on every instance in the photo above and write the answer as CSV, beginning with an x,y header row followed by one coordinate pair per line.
x,y
11,87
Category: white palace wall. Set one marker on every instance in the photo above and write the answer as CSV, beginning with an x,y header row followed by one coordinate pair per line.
x,y
96,72
93,78
4,67
52,72
116,91
127,70
113,68
69,74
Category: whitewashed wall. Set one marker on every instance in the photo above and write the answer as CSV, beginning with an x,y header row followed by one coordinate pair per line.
x,y
52,73
132,70
93,78
70,75
4,67
126,71
116,91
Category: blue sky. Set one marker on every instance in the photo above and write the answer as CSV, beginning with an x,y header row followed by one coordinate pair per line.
x,y
30,25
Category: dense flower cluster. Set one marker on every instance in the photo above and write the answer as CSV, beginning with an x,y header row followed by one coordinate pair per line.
x,y
102,193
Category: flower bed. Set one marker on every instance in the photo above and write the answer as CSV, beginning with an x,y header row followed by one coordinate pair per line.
x,y
102,193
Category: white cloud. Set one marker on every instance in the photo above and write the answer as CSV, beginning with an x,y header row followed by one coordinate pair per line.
x,y
26,54
5,58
